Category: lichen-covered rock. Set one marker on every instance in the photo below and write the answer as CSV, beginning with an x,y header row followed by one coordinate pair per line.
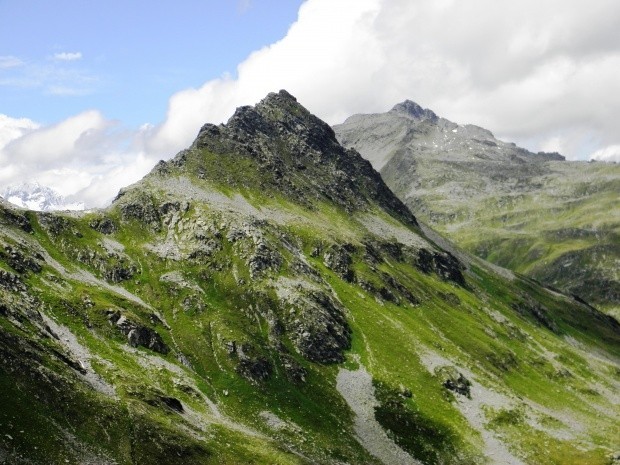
x,y
453,380
13,217
318,327
53,223
205,250
137,334
294,371
529,307
103,225
20,262
264,258
252,366
444,264
338,259
11,282
142,209
113,266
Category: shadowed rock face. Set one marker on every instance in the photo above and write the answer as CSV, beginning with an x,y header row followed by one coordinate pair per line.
x,y
534,213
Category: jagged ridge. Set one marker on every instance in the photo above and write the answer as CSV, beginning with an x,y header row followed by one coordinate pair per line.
x,y
293,153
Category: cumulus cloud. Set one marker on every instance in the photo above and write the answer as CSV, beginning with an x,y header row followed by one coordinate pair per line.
x,y
528,77
67,56
86,157
14,128
610,153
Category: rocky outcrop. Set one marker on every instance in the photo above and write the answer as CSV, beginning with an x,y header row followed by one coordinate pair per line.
x,y
252,365
338,259
294,371
318,327
444,264
55,224
453,380
136,333
12,217
11,282
103,225
20,261
530,308
140,208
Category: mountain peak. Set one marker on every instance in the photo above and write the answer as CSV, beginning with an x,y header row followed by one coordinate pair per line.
x,y
279,147
413,110
34,196
280,97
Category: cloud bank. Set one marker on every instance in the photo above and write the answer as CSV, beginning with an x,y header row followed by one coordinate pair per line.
x,y
542,74
538,73
85,157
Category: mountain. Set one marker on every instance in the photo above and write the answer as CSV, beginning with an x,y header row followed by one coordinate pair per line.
x,y
34,196
553,220
264,298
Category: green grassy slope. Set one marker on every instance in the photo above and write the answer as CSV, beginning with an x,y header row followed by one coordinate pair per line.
x,y
488,329
196,323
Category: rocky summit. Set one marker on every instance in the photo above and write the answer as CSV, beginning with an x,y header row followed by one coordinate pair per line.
x,y
263,297
554,220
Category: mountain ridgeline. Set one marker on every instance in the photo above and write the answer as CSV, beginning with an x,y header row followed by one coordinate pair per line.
x,y
554,220
263,297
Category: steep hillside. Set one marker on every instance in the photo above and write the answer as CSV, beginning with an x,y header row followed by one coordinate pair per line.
x,y
264,298
553,220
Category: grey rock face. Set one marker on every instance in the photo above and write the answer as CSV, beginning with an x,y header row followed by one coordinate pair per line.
x,y
318,328
296,154
338,259
20,261
141,209
444,264
11,282
137,334
12,217
104,225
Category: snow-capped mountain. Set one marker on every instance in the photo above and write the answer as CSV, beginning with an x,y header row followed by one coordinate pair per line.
x,y
34,196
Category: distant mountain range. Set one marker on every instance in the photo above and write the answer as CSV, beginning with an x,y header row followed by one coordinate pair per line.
x,y
263,297
34,196
554,220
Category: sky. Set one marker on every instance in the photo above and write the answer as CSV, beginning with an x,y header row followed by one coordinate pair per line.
x,y
93,94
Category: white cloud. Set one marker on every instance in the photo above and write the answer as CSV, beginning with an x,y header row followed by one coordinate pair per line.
x,y
54,76
610,153
85,156
67,56
14,128
493,63
9,61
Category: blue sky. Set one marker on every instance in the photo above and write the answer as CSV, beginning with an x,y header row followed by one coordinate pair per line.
x,y
124,58
93,94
